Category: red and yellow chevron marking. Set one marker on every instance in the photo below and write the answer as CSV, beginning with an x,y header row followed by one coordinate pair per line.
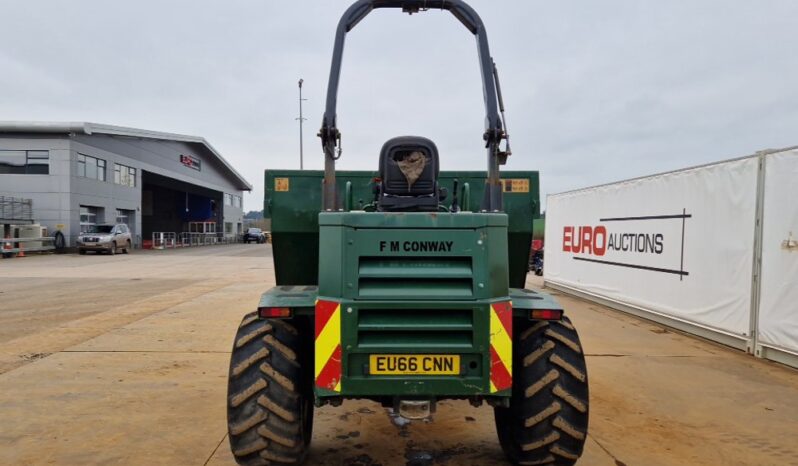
x,y
328,345
501,346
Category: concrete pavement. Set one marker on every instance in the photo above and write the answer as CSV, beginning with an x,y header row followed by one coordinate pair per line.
x,y
123,360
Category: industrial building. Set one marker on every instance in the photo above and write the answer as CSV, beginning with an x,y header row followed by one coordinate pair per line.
x,y
82,174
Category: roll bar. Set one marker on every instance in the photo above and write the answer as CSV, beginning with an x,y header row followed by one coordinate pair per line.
x,y
494,132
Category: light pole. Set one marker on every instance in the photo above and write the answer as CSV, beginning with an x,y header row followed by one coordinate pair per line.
x,y
301,119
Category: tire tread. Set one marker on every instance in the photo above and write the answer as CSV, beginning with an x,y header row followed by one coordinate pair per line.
x,y
547,420
268,394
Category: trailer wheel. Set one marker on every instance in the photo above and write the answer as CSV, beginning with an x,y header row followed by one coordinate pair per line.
x,y
546,422
270,402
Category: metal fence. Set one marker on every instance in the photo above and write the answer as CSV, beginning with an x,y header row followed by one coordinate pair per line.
x,y
15,210
169,240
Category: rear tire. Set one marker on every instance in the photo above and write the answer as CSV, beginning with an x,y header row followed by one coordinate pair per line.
x,y
127,247
546,422
270,402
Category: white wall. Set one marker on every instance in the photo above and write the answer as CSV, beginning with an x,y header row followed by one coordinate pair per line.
x,y
695,269
778,305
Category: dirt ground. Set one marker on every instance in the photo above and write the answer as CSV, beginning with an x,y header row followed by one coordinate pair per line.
x,y
123,360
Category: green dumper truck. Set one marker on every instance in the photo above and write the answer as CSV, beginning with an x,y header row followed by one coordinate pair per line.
x,y
406,285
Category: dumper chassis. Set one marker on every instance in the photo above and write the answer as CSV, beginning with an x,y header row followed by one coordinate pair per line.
x,y
406,286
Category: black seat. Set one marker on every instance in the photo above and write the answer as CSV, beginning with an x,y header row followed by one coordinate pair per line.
x,y
409,172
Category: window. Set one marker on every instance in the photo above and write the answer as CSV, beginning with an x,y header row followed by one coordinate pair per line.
x,y
228,227
88,218
25,162
232,200
38,162
121,216
124,175
91,167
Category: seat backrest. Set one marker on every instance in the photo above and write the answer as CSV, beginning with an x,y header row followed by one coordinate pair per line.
x,y
409,166
409,172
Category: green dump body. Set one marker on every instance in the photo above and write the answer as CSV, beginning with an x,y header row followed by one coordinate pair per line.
x,y
435,286
293,200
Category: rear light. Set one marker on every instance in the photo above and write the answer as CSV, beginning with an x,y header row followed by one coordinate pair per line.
x,y
275,312
545,314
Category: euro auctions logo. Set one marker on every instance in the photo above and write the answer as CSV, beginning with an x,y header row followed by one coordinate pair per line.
x,y
596,241
650,242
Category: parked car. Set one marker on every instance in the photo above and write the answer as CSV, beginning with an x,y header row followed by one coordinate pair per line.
x,y
254,234
106,238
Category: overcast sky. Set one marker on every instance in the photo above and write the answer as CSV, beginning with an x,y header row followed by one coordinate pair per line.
x,y
595,91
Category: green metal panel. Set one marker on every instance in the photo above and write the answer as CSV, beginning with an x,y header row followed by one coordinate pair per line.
x,y
303,298
293,200
415,283
296,297
404,327
525,300
415,256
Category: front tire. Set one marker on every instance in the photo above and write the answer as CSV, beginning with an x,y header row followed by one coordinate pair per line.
x,y
127,247
112,251
270,402
546,422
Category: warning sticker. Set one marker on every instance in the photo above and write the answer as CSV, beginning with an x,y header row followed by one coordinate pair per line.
x,y
517,185
281,184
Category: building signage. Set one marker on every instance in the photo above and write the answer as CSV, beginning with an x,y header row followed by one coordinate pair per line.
x,y
191,162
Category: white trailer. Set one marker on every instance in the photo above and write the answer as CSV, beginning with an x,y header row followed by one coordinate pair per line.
x,y
709,250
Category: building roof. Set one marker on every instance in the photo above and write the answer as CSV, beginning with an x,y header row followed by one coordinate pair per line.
x,y
95,128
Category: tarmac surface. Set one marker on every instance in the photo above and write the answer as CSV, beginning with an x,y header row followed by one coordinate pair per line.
x,y
123,360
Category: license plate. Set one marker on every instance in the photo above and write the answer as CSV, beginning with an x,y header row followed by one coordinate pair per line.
x,y
414,364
